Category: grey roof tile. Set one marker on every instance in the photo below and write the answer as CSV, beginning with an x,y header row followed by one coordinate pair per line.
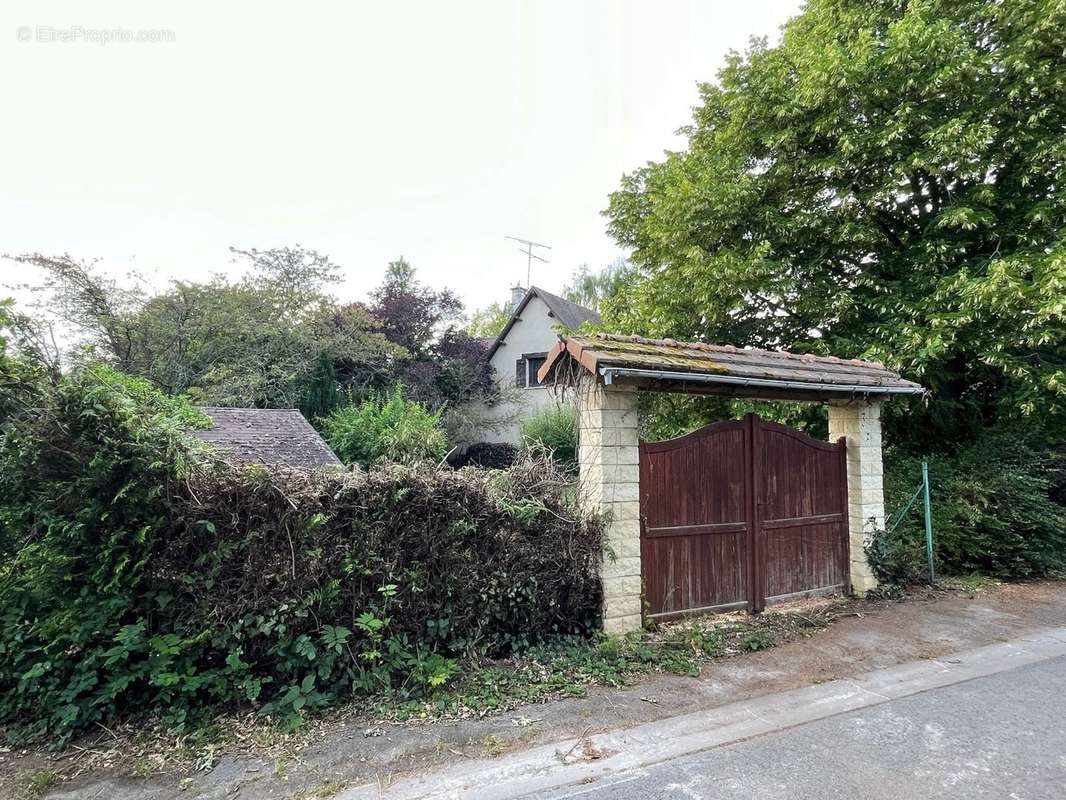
x,y
571,315
268,436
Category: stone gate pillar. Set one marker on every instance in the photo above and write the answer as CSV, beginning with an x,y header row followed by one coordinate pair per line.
x,y
610,480
860,423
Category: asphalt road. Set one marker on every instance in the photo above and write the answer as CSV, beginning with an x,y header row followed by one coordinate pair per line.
x,y
1002,736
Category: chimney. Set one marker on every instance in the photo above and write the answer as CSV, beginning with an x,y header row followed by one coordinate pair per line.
x,y
517,293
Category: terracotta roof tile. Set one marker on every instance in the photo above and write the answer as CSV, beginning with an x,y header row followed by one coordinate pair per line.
x,y
732,364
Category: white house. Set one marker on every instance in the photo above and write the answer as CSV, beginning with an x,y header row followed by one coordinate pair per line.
x,y
519,351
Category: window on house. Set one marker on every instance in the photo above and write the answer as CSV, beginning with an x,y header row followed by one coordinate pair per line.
x,y
535,364
526,368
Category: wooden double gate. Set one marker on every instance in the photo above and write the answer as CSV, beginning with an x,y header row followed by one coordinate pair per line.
x,y
739,513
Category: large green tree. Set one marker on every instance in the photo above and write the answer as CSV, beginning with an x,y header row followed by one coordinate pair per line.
x,y
273,337
886,182
258,340
488,322
590,288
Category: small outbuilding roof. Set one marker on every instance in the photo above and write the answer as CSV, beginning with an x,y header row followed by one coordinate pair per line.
x,y
570,315
668,365
268,436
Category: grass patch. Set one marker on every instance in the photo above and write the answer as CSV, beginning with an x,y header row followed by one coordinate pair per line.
x,y
571,667
323,791
34,784
493,746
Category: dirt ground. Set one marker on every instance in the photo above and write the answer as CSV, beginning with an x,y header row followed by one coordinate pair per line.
x,y
865,636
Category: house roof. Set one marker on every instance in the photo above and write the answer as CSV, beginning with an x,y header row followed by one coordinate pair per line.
x,y
666,364
570,315
269,436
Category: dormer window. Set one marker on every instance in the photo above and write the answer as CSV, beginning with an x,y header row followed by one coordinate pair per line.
x,y
526,369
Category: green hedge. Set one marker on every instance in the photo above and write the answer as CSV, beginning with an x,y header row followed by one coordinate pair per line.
x,y
140,578
997,510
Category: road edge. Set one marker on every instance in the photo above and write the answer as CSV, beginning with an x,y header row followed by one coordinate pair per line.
x,y
595,759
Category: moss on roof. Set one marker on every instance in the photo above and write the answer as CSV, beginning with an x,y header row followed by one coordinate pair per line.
x,y
733,364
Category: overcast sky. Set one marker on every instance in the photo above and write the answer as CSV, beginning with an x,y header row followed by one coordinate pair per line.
x,y
366,130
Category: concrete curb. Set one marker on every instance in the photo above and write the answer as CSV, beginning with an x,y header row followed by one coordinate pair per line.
x,y
598,758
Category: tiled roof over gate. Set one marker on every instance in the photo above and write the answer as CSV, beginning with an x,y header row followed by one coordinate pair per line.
x,y
273,437
660,361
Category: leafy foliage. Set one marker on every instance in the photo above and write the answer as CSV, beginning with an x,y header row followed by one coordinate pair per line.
x,y
553,429
274,338
664,416
412,316
20,378
589,289
82,485
385,429
138,577
444,367
994,506
254,342
322,395
887,182
488,322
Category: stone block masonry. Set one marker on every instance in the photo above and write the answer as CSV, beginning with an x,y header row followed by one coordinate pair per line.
x,y
860,423
610,479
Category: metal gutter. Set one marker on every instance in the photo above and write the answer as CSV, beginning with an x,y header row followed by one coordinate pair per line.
x,y
609,374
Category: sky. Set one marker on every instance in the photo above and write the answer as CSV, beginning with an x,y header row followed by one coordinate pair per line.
x,y
155,136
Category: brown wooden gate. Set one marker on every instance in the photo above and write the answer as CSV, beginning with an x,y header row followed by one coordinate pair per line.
x,y
740,513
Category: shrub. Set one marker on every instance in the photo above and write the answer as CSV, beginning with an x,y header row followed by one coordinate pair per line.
x,y
82,487
899,557
993,509
383,429
553,428
143,579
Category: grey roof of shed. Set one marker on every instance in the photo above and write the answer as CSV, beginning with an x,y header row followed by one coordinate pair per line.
x,y
269,436
570,315
665,364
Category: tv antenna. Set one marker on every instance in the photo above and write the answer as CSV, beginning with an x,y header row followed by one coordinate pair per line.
x,y
530,255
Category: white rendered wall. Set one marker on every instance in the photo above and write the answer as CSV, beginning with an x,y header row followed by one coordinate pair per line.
x,y
531,333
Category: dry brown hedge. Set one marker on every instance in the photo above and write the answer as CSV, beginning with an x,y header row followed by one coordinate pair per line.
x,y
481,559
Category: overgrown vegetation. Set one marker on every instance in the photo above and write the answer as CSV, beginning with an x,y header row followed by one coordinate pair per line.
x,y
568,666
137,577
886,182
274,337
998,509
493,455
589,288
553,429
488,322
385,429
